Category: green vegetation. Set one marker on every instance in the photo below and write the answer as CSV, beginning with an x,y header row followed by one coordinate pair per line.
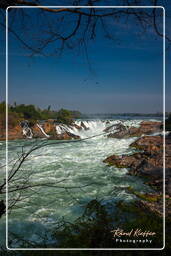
x,y
13,117
145,196
64,116
93,228
32,113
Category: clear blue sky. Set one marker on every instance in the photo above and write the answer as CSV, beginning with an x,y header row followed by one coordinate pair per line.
x,y
124,75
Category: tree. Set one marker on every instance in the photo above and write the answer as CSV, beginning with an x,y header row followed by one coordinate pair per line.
x,y
82,24
64,116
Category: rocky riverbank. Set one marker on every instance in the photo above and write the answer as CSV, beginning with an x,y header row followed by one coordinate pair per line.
x,y
120,131
147,162
48,129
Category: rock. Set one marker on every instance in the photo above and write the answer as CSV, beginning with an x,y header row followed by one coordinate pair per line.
x,y
14,133
64,136
115,128
46,130
149,143
84,126
149,164
37,133
76,126
107,122
116,131
49,127
146,127
125,161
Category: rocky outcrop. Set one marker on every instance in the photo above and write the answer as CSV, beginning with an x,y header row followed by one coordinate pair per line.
x,y
121,131
48,129
64,136
148,163
84,126
14,133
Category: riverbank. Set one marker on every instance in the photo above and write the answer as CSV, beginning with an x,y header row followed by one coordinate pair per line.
x,y
148,163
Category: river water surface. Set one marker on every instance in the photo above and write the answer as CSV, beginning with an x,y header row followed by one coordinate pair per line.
x,y
70,175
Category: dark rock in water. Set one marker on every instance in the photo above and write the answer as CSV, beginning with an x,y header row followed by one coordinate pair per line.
x,y
108,122
84,126
76,126
64,136
146,127
125,161
116,131
150,161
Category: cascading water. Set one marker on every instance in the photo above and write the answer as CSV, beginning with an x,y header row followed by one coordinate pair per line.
x,y
42,130
90,128
27,132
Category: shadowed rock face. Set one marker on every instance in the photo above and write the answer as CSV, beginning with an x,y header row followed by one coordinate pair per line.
x,y
146,127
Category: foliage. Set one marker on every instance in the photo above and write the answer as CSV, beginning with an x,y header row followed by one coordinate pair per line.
x,y
93,228
13,117
64,116
32,114
27,111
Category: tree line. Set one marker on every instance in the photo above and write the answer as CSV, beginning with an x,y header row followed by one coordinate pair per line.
x,y
32,114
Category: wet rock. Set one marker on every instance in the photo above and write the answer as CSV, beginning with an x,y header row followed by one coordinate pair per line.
x,y
146,127
14,133
84,126
116,131
37,133
64,136
149,143
76,126
49,127
148,163
125,161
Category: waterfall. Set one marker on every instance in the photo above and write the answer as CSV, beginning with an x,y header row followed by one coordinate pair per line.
x,y
85,128
40,127
26,129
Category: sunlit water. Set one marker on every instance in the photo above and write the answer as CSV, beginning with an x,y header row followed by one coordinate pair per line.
x,y
72,174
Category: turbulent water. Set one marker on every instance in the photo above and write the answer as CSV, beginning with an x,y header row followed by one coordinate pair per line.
x,y
71,173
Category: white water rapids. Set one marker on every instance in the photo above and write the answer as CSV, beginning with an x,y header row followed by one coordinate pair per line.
x,y
77,173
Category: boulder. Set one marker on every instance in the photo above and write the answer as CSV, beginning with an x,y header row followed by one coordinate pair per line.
x,y
64,136
146,127
148,162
